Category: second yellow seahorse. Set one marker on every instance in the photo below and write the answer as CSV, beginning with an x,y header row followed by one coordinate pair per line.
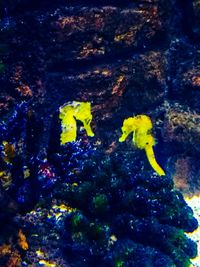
x,y
141,127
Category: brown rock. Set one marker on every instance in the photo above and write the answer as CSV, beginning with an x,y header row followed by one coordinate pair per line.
x,y
96,32
186,175
125,87
183,127
185,86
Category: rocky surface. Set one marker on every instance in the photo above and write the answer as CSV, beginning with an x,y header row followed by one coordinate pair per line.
x,y
125,57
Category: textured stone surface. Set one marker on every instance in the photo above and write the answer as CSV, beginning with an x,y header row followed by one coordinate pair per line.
x,y
123,85
185,79
125,57
186,175
183,128
77,41
182,135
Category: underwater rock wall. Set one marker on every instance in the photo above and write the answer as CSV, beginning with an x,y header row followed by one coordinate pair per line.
x,y
126,58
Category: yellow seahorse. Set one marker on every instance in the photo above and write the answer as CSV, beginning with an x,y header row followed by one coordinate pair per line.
x,y
69,113
141,127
